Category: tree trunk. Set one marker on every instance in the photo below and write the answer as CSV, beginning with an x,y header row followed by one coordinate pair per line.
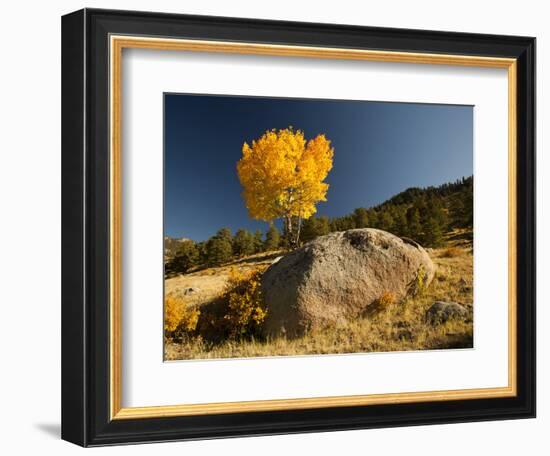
x,y
298,231
288,229
289,226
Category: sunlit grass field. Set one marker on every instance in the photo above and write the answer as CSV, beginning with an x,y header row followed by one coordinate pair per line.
x,y
397,326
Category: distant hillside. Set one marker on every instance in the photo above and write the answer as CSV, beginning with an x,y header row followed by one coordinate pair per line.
x,y
422,214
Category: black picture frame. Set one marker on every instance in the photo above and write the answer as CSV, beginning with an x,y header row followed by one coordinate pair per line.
x,y
85,225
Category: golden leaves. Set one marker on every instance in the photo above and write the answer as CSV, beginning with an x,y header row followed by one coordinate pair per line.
x,y
282,174
177,315
246,309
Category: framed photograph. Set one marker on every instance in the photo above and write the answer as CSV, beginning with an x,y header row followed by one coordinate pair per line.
x,y
278,227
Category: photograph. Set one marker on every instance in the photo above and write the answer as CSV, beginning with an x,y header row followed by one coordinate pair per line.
x,y
290,225
313,226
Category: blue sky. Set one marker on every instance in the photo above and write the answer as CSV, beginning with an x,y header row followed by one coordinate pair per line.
x,y
380,149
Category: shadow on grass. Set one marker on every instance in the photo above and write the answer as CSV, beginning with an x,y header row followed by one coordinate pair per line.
x,y
257,259
465,236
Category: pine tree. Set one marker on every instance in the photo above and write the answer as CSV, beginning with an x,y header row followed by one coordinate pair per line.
x,y
386,221
219,248
466,216
315,227
373,218
400,225
186,257
243,243
272,238
258,241
414,229
342,223
432,232
203,253
323,226
361,217
309,229
434,222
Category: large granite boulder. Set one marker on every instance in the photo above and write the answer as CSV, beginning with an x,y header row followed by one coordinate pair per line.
x,y
336,277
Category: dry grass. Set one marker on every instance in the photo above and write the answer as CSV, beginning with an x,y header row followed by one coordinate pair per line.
x,y
211,283
450,252
395,326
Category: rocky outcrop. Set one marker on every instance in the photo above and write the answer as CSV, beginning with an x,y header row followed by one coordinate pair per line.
x,y
337,277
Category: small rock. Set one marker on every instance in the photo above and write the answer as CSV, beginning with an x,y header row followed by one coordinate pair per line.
x,y
190,291
441,311
275,260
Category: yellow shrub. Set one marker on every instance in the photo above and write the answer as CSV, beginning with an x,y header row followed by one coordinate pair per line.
x,y
418,285
189,319
172,310
245,310
178,316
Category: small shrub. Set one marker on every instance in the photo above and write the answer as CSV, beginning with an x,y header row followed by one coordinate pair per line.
x,y
386,299
189,319
245,309
451,252
172,308
418,284
381,304
179,319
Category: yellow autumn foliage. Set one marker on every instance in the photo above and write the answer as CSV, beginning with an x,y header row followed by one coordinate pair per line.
x,y
282,174
245,310
179,316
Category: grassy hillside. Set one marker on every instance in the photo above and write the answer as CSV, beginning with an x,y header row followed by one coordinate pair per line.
x,y
396,326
